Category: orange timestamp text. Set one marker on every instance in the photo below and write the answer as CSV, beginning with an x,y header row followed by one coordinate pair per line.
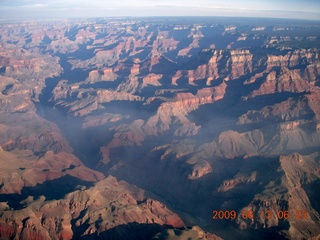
x,y
263,214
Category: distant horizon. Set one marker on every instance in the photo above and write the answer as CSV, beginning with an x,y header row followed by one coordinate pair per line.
x,y
19,10
150,17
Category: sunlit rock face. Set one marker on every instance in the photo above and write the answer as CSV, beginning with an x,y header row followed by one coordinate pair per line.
x,y
141,128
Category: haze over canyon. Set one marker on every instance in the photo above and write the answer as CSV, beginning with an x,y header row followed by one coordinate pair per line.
x,y
141,128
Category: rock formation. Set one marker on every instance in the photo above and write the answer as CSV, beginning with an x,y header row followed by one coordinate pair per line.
x,y
141,128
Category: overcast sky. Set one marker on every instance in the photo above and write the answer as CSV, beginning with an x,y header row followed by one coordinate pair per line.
x,y
39,9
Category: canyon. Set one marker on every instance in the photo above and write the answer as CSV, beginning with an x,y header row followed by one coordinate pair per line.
x,y
134,128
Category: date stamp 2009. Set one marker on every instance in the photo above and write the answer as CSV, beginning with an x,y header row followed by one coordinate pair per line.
x,y
263,214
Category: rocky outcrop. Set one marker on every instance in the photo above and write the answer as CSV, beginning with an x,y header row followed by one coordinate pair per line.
x,y
200,169
296,172
26,66
159,64
293,58
283,81
218,63
30,132
175,112
21,170
241,63
287,110
291,136
239,179
198,74
313,101
105,74
89,100
90,211
101,59
151,79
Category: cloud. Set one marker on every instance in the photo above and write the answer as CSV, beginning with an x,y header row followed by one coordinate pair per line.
x,y
105,8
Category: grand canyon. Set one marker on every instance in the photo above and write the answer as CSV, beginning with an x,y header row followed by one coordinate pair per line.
x,y
159,128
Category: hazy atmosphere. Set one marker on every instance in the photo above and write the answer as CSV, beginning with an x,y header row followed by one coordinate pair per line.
x,y
39,9
132,120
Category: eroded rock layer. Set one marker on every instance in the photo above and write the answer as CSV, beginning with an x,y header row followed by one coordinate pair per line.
x,y
187,115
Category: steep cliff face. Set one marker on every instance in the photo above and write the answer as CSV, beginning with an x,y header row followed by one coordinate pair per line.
x,y
175,112
284,80
226,64
241,63
293,58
